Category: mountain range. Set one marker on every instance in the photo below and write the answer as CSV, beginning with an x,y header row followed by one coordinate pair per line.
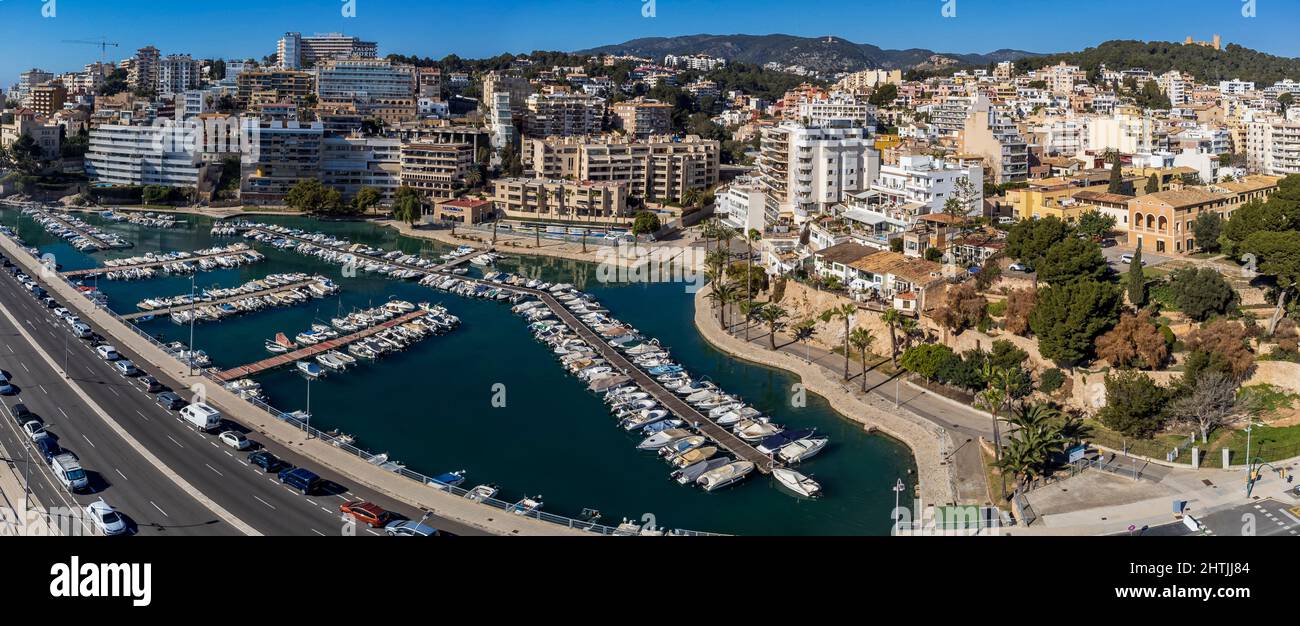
x,y
825,55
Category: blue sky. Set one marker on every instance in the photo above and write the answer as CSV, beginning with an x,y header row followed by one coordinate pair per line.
x,y
476,28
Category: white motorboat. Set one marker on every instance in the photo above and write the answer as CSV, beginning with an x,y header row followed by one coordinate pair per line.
x,y
689,474
801,450
682,445
693,456
526,505
663,438
756,429
796,482
644,418
728,474
482,492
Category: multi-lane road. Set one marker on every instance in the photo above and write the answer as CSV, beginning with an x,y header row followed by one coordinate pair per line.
x,y
165,477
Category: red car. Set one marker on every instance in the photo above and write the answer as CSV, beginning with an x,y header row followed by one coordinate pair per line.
x,y
367,513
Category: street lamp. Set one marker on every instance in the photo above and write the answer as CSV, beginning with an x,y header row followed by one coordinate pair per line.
x,y
190,371
898,491
1250,465
309,407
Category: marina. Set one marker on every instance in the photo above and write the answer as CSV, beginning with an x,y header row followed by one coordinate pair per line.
x,y
172,263
401,337
277,290
431,408
76,232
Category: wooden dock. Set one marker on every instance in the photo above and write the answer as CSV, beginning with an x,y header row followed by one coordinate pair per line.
x,y
280,360
100,243
664,396
219,301
139,266
437,269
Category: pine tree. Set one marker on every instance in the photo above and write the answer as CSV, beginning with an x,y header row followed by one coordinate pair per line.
x,y
1153,184
1116,175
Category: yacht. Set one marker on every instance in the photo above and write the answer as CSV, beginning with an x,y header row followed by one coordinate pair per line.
x,y
644,418
689,474
310,370
756,429
663,438
482,493
526,505
449,479
693,456
713,480
801,450
681,445
797,483
780,440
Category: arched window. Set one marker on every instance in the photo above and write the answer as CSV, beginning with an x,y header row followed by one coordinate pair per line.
x,y
1163,224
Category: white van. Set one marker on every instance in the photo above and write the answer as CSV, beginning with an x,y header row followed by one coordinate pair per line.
x,y
69,472
201,416
108,353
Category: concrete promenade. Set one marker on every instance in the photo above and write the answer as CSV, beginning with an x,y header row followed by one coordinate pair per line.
x,y
351,467
929,443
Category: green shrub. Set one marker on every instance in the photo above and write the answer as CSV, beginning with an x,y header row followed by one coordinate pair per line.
x,y
1051,380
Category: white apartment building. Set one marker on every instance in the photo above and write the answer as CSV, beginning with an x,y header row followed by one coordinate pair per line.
x,y
176,73
1273,146
868,80
351,163
141,155
501,120
1177,86
1061,136
564,115
1061,78
296,51
1128,132
807,169
840,106
926,183
949,116
1235,87
695,62
742,205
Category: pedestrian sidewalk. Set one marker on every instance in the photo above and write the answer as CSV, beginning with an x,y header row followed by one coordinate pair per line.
x,y
18,509
351,467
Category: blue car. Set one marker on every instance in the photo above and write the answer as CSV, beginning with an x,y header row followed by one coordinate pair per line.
x,y
48,448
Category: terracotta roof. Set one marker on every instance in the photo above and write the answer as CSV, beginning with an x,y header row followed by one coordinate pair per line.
x,y
918,271
1101,196
1252,183
845,253
1188,197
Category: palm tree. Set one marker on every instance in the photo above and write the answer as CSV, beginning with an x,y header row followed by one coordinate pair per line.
x,y
750,238
772,315
750,310
845,313
862,339
803,333
1019,462
723,294
909,327
892,317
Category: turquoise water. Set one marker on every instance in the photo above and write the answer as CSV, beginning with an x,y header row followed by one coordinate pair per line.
x,y
431,407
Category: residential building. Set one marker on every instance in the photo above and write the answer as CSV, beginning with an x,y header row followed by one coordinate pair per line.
x,y
866,81
143,70
991,134
176,73
910,285
47,99
1128,131
272,85
350,164
376,87
1273,146
807,169
284,153
1162,222
659,169
695,62
564,115
26,82
926,183
742,205
642,118
25,122
562,201
436,171
141,155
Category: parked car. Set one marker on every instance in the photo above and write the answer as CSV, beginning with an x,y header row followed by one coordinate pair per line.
x,y
171,401
82,331
105,518
408,528
267,461
50,303
108,353
1020,267
235,439
35,430
1127,259
21,413
125,367
367,513
6,388
48,448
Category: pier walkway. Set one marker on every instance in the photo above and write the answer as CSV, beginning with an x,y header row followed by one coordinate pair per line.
x,y
311,351
219,301
100,243
436,269
139,266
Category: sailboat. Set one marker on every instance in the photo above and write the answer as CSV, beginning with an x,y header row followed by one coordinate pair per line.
x,y
280,345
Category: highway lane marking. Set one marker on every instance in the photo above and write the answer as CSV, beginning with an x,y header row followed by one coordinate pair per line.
x,y
138,412
163,468
92,444
214,470
43,390
114,390
159,509
372,531
25,367
65,413
119,473
264,502
229,454
318,532
174,441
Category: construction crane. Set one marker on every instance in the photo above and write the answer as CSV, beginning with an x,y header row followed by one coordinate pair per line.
x,y
103,44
